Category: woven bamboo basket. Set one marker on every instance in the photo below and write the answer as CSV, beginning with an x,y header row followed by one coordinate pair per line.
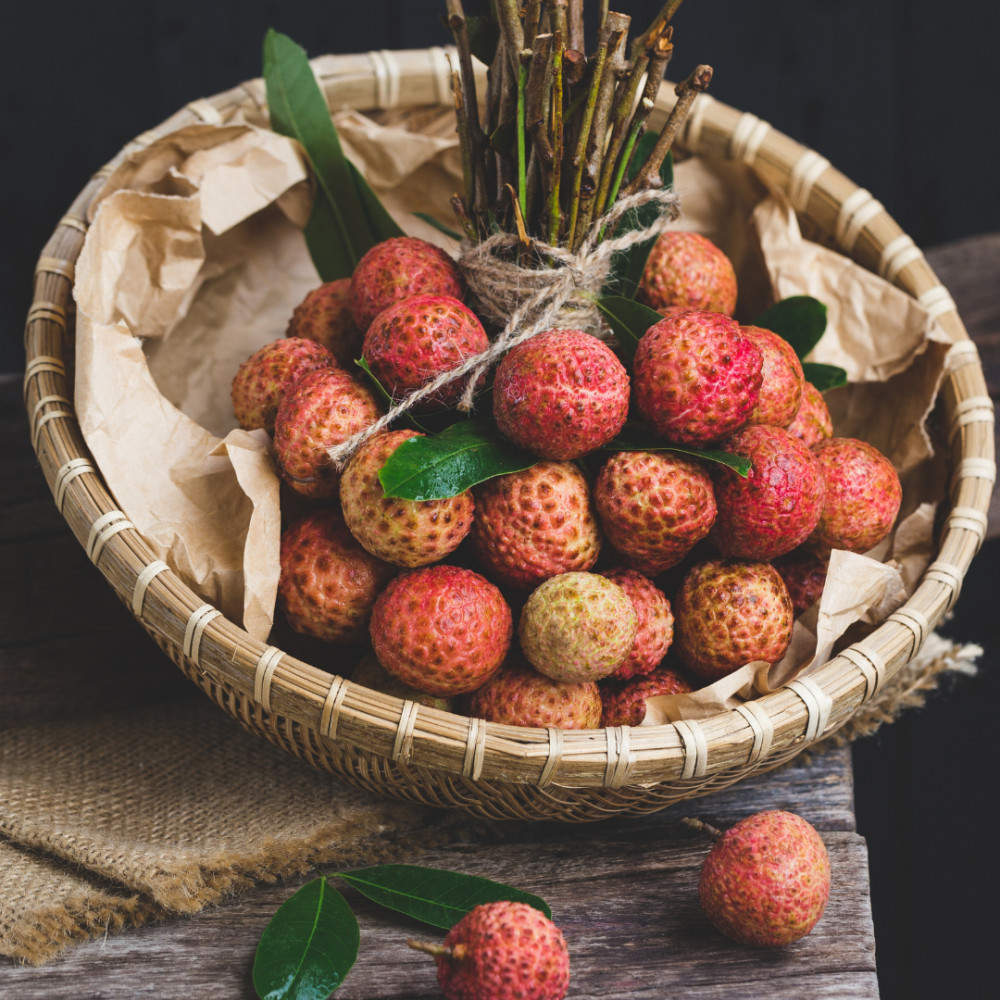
x,y
408,751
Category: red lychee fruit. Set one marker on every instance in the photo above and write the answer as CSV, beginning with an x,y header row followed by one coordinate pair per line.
x,y
535,524
328,583
783,381
697,377
773,509
441,629
689,270
577,627
728,613
325,316
502,951
766,880
654,507
402,532
561,394
396,269
863,495
317,412
804,573
517,695
262,379
369,673
624,702
812,421
415,340
655,622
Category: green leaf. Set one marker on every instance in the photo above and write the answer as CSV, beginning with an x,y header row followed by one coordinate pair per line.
x,y
432,895
438,225
484,36
635,437
824,376
444,465
387,400
629,320
308,947
381,224
799,319
339,231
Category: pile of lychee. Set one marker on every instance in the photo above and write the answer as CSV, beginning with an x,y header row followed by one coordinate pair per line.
x,y
568,593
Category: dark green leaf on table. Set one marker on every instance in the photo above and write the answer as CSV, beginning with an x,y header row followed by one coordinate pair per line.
x,y
799,319
308,947
635,437
432,895
824,376
444,465
628,320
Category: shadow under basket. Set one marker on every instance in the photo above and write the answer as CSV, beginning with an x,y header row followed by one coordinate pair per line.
x,y
411,752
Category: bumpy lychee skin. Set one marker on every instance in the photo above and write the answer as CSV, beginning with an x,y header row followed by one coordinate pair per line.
x,y
318,412
517,695
262,379
504,951
561,394
441,629
624,702
688,270
766,880
535,524
654,507
728,613
396,269
577,627
655,622
418,338
325,316
328,583
782,382
403,532
863,495
774,508
371,674
812,422
804,573
696,377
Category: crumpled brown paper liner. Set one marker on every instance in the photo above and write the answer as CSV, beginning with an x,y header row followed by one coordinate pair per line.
x,y
196,246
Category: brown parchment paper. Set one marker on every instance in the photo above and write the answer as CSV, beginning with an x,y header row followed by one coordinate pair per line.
x,y
196,259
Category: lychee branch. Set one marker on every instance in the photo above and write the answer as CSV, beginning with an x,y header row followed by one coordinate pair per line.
x,y
702,827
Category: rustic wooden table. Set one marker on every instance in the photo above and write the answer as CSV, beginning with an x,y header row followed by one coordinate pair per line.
x,y
622,890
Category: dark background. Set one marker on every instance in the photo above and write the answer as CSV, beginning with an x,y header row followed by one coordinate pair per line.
x,y
899,94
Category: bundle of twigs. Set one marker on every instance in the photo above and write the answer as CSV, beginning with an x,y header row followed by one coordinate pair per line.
x,y
553,147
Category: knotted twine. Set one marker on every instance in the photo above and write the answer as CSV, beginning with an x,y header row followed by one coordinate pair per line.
x,y
546,297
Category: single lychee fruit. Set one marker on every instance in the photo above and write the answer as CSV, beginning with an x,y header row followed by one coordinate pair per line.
x,y
369,673
812,421
318,412
441,629
577,627
560,394
502,951
783,381
328,582
696,376
395,269
535,524
766,880
262,379
773,509
863,495
624,702
517,695
402,532
418,338
324,315
655,622
729,613
804,573
688,270
654,507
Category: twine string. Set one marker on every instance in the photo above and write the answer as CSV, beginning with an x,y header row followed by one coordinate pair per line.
x,y
580,272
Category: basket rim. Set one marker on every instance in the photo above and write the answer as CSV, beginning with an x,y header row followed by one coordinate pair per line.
x,y
779,725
